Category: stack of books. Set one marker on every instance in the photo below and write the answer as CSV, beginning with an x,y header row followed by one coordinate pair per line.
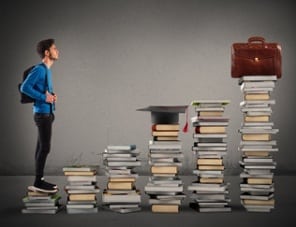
x,y
81,189
257,145
165,188
36,202
210,191
121,194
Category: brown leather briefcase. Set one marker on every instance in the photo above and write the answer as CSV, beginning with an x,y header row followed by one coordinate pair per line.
x,y
256,57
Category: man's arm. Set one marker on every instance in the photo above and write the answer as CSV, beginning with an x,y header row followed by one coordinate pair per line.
x,y
28,86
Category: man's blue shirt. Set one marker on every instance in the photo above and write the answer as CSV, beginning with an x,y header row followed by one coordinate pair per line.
x,y
36,84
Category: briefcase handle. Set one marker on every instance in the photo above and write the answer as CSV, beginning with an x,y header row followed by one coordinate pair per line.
x,y
256,39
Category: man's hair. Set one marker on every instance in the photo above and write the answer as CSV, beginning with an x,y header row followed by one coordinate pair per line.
x,y
44,45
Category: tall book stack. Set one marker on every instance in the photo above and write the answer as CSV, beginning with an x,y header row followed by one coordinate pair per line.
x,y
257,146
165,188
121,194
210,191
36,202
81,189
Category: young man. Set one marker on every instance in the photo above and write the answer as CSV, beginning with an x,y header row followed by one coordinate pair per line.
x,y
38,85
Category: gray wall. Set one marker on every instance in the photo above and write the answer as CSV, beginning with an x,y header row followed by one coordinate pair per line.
x,y
117,56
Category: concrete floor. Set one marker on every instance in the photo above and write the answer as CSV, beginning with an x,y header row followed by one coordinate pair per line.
x,y
13,188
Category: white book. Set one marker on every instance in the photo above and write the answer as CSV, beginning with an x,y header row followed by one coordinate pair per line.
x,y
82,178
80,206
165,146
267,125
258,143
219,109
209,148
208,145
257,84
258,131
208,123
261,110
257,78
163,188
210,135
246,175
262,187
166,155
128,164
120,155
257,102
79,187
207,188
214,209
82,191
122,147
82,210
257,197
210,102
79,168
256,89
258,160
121,159
131,198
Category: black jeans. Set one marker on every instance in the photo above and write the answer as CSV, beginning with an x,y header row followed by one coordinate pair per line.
x,y
44,125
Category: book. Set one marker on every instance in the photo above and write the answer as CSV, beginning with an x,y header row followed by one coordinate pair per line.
x,y
79,173
150,187
210,167
164,169
258,78
165,127
256,137
165,133
121,198
120,185
166,138
210,103
257,84
262,118
80,168
82,197
210,113
167,208
270,202
213,180
210,129
82,178
122,147
209,161
52,210
257,96
259,180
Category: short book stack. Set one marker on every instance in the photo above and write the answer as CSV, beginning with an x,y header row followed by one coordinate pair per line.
x,y
121,194
36,202
81,189
210,191
257,145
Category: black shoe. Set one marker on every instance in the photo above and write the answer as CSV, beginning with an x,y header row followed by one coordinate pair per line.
x,y
49,184
43,187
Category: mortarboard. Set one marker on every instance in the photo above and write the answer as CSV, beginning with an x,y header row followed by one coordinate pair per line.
x,y
167,114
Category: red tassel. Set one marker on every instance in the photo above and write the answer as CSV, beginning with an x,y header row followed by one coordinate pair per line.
x,y
185,128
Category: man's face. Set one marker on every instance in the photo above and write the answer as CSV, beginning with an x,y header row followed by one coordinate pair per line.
x,y
53,53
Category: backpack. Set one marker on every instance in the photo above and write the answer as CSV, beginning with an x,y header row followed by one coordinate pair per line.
x,y
25,98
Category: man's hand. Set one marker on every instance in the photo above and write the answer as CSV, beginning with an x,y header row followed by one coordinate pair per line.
x,y
51,98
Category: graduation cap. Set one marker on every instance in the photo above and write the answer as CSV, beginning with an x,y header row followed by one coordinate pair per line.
x,y
167,114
